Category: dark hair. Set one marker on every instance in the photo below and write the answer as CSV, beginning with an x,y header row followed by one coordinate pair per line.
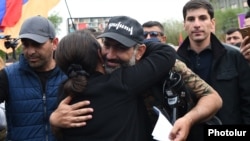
x,y
232,30
196,4
77,56
93,31
153,23
247,14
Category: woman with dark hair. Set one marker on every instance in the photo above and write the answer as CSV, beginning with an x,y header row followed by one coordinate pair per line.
x,y
114,97
119,112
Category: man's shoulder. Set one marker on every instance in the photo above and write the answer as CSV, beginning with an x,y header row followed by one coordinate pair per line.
x,y
231,50
11,67
231,47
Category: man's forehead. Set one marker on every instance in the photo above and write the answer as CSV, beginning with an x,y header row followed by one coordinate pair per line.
x,y
236,33
114,43
194,13
152,28
28,40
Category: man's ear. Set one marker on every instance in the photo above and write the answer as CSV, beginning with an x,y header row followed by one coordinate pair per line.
x,y
55,42
164,39
100,56
140,51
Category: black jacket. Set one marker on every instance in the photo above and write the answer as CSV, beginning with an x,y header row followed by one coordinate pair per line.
x,y
230,77
119,112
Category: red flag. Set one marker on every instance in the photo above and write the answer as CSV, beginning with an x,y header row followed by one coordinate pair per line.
x,y
82,26
180,39
13,13
29,8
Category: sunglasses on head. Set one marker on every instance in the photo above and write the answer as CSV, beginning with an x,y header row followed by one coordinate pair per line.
x,y
152,34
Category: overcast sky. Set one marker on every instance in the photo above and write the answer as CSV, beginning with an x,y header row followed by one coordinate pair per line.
x,y
142,10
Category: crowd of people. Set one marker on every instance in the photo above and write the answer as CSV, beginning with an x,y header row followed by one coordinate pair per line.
x,y
103,85
239,37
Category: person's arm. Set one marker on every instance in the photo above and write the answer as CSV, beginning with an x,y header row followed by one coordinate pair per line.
x,y
209,102
154,65
244,89
4,85
74,115
157,55
245,48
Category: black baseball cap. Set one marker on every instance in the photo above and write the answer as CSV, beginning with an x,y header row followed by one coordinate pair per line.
x,y
125,30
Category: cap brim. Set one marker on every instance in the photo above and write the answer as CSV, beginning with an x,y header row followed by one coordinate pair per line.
x,y
35,37
118,37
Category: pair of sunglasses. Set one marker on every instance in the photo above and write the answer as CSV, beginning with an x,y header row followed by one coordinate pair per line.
x,y
152,34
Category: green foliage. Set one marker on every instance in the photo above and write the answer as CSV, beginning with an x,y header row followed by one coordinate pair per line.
x,y
172,29
226,19
2,54
56,20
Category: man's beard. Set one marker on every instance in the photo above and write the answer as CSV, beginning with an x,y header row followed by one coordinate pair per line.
x,y
131,62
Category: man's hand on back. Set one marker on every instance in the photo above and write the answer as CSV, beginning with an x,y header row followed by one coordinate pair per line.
x,y
67,116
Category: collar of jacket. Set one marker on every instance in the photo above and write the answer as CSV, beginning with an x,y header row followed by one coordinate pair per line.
x,y
218,48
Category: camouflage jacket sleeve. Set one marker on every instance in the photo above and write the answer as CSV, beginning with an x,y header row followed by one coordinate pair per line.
x,y
192,81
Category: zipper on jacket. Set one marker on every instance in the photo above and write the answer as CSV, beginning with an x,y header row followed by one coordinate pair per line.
x,y
45,113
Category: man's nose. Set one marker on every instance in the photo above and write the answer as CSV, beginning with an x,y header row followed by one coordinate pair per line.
x,y
148,36
111,53
197,22
30,49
